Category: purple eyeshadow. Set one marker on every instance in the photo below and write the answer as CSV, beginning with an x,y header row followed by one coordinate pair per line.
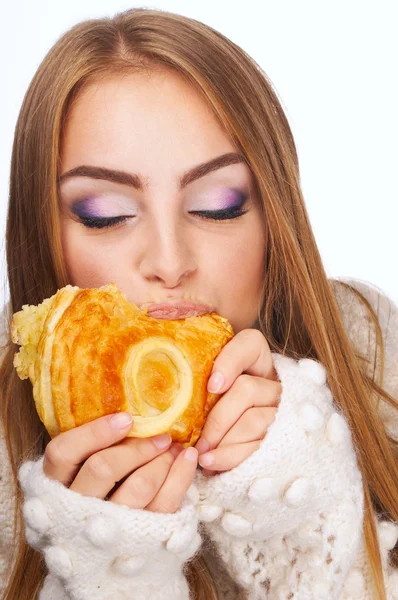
x,y
85,208
230,198
217,200
95,208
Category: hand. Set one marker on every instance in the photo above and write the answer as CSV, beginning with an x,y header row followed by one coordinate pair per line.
x,y
91,459
251,391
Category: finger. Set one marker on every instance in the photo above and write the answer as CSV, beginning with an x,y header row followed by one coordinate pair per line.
x,y
227,457
252,426
65,453
247,352
247,392
178,481
175,449
103,469
139,489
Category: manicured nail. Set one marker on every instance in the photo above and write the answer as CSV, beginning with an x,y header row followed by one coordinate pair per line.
x,y
205,460
216,382
162,441
121,420
202,446
191,454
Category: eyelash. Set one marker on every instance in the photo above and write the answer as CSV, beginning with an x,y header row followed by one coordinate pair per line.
x,y
217,215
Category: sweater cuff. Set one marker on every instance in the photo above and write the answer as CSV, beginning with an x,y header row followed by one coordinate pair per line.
x,y
304,467
99,549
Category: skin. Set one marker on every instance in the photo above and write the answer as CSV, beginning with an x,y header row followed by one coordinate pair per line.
x,y
158,126
150,125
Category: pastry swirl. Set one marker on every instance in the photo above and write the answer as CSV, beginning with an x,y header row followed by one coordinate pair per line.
x,y
90,352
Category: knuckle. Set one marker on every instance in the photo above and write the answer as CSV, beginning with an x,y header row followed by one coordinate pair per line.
x,y
244,385
98,467
99,433
261,416
141,449
258,336
254,335
213,425
55,453
141,487
145,451
139,446
252,420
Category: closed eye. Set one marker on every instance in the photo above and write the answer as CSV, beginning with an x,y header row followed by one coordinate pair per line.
x,y
211,215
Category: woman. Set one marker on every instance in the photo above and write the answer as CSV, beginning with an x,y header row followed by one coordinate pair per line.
x,y
153,152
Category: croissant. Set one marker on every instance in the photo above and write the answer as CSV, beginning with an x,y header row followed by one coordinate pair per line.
x,y
90,352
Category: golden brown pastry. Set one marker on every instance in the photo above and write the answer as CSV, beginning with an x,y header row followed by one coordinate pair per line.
x,y
90,352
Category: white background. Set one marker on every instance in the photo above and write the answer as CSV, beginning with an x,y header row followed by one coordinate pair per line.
x,y
334,66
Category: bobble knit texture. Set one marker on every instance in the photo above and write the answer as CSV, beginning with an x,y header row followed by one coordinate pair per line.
x,y
286,524
288,519
98,549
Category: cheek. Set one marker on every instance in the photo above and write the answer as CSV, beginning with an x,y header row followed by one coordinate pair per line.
x,y
240,264
88,264
237,274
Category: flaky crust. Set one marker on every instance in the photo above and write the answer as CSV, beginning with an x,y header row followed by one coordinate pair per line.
x,y
90,352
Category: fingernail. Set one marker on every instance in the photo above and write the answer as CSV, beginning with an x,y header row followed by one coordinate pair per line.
x,y
202,446
191,454
206,460
216,382
121,420
162,441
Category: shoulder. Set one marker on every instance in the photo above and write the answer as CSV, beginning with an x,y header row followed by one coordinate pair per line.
x,y
7,508
362,334
6,486
357,319
5,319
7,498
350,303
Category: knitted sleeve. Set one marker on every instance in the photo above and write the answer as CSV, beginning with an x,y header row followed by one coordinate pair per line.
x,y
98,549
287,522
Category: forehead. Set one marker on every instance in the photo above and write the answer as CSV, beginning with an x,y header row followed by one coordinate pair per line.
x,y
156,116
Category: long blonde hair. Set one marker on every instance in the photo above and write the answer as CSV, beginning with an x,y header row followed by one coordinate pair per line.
x,y
299,315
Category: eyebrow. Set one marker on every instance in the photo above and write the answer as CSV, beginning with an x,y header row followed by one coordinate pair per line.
x,y
135,181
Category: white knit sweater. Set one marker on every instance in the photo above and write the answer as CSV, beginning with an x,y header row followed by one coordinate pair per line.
x,y
285,524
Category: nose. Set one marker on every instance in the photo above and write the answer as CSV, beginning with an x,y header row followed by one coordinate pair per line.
x,y
168,256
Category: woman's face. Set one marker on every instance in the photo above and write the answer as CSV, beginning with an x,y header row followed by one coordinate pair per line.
x,y
156,128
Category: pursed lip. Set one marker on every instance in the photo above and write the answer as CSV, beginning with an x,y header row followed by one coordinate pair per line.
x,y
175,309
